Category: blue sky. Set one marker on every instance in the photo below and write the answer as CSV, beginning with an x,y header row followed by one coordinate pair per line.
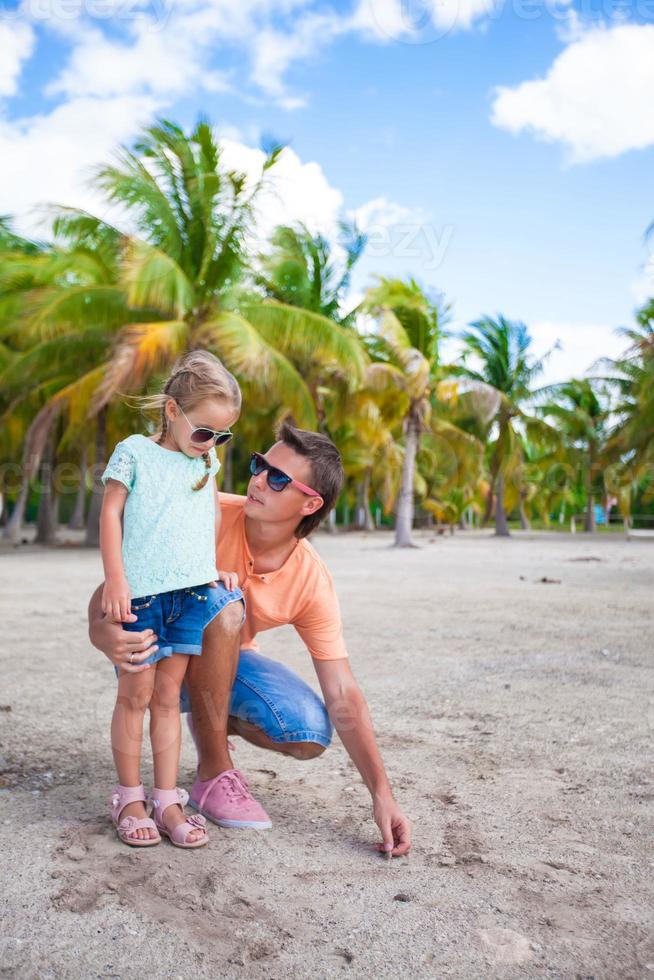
x,y
501,154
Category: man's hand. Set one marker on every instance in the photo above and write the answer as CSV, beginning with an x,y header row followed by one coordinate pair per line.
x,y
116,599
124,649
229,580
350,716
394,826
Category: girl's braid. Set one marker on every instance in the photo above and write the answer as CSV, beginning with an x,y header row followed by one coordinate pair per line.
x,y
164,417
207,466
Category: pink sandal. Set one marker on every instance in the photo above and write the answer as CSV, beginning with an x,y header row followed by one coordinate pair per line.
x,y
119,799
161,799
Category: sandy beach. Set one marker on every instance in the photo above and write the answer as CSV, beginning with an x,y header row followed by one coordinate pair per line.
x,y
515,716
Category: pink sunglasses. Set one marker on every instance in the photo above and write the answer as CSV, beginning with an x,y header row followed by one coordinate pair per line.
x,y
277,479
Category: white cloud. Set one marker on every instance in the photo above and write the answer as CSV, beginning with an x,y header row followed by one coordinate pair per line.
x,y
170,49
461,14
273,51
168,62
580,346
113,84
16,45
294,191
48,158
382,213
596,98
385,20
400,234
395,20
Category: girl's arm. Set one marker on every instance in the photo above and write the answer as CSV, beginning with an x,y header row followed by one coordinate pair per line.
x,y
116,598
229,579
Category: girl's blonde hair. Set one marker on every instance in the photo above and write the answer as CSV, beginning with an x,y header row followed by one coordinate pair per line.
x,y
195,377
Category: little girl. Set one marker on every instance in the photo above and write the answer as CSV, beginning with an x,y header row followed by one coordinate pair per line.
x,y
160,566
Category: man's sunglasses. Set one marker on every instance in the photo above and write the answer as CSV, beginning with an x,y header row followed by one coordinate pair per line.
x,y
277,479
201,434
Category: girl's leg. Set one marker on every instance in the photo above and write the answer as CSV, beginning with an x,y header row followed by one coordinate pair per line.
x,y
166,732
134,695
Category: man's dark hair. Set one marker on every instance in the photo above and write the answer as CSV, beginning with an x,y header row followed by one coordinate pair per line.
x,y
326,470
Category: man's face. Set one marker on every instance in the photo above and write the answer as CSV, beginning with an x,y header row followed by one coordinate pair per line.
x,y
266,505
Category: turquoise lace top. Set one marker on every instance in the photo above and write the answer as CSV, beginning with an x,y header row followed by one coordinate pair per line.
x,y
169,539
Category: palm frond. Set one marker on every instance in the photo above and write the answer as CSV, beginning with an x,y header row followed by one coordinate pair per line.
x,y
247,353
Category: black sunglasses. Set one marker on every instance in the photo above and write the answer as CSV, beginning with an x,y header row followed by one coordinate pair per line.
x,y
277,479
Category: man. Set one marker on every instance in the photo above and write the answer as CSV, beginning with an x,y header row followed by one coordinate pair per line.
x,y
235,690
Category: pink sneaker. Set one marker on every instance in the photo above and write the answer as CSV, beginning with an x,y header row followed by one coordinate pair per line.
x,y
227,801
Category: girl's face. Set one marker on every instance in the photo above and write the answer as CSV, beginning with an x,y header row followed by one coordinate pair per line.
x,y
211,413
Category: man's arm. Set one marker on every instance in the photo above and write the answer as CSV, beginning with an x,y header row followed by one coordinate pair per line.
x,y
122,648
348,711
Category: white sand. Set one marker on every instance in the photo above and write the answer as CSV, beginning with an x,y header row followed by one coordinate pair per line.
x,y
516,720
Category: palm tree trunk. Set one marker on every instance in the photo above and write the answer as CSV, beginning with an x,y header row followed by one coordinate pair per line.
x,y
364,517
76,522
15,523
488,509
525,523
46,522
228,469
404,518
501,523
589,520
95,506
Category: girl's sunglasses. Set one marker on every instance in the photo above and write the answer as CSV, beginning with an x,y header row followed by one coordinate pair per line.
x,y
277,479
200,434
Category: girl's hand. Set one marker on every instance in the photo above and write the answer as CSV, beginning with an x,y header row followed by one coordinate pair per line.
x,y
116,599
229,580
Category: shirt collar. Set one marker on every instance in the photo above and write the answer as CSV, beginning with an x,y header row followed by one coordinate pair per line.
x,y
249,560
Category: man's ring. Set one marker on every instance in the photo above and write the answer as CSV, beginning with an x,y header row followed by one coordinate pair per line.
x,y
131,657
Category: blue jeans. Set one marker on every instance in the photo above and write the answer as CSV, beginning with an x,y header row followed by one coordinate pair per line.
x,y
272,697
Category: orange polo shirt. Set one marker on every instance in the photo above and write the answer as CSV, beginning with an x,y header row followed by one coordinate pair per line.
x,y
300,593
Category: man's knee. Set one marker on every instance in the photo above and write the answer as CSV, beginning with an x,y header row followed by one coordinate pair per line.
x,y
228,621
304,750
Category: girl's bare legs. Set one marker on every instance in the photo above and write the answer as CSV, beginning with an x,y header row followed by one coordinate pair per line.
x,y
166,732
134,695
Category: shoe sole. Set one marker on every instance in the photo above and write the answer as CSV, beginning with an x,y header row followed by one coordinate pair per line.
x,y
239,824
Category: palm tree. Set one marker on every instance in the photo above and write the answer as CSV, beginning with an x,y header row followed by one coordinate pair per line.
x,y
630,446
193,220
581,412
301,271
405,350
66,312
501,349
173,284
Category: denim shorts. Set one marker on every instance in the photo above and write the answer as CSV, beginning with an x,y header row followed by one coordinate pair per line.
x,y
272,697
179,618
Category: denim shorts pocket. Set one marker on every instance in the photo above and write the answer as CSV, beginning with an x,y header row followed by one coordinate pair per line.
x,y
197,595
143,602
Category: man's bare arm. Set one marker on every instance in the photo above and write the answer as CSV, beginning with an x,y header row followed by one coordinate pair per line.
x,y
122,648
348,711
